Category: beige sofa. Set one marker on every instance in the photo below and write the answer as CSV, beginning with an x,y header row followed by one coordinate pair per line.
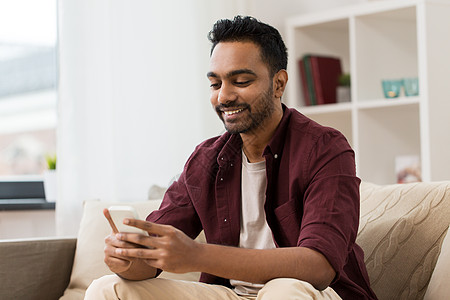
x,y
402,231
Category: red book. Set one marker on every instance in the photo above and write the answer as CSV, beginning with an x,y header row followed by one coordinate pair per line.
x,y
303,78
325,74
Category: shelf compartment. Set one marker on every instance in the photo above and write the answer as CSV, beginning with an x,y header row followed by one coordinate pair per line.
x,y
385,133
328,38
386,48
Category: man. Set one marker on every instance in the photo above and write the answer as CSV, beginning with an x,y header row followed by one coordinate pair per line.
x,y
276,196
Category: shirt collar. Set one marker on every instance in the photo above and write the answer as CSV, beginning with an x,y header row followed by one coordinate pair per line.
x,y
231,151
275,146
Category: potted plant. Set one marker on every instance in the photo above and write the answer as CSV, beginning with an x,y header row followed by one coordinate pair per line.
x,y
343,93
50,179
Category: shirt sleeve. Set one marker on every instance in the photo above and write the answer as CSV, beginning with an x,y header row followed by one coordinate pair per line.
x,y
177,209
331,200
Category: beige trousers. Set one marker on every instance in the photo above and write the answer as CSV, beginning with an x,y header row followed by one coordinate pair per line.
x,y
113,287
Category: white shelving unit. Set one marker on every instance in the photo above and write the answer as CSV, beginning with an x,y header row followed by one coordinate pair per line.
x,y
383,40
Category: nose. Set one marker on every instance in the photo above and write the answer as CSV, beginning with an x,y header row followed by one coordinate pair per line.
x,y
226,94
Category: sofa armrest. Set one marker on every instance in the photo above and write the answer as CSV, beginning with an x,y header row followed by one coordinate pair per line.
x,y
35,268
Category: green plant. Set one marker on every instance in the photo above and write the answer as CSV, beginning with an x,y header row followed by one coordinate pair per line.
x,y
51,161
344,79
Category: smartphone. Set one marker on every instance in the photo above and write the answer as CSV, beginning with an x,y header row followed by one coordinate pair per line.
x,y
118,213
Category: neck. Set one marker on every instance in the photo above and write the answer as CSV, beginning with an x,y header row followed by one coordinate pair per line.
x,y
255,141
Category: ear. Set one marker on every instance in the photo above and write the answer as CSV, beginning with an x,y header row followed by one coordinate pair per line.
x,y
279,83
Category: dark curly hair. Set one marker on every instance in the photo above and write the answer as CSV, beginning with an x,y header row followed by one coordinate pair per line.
x,y
242,29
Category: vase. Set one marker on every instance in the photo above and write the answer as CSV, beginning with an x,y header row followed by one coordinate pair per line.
x,y
50,185
343,94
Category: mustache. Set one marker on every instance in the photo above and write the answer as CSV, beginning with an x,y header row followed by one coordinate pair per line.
x,y
221,107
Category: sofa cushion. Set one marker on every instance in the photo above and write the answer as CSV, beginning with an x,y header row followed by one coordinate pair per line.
x,y
402,228
88,262
439,287
35,268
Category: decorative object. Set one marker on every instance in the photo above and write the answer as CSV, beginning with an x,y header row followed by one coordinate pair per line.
x,y
411,86
50,179
343,92
392,88
407,168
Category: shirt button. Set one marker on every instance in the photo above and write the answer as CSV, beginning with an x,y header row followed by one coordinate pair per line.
x,y
221,178
231,164
221,158
276,156
225,220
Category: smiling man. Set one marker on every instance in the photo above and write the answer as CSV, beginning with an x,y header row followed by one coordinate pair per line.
x,y
276,195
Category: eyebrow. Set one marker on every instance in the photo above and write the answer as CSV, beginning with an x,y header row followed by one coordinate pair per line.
x,y
232,73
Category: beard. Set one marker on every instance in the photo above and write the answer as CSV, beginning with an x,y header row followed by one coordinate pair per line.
x,y
262,108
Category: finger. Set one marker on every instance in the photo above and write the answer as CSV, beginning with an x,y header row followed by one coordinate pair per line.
x,y
112,240
110,253
143,253
151,228
110,221
139,240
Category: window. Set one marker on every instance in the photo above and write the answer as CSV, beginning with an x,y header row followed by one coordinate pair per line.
x,y
27,85
28,81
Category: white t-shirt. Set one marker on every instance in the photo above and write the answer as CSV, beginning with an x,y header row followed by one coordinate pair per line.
x,y
255,232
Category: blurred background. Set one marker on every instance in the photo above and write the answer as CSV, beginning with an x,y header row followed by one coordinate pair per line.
x,y
117,90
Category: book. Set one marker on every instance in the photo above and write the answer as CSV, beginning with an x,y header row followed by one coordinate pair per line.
x,y
303,79
325,72
309,79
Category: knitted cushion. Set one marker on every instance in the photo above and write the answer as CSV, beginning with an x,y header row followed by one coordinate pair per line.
x,y
439,287
401,230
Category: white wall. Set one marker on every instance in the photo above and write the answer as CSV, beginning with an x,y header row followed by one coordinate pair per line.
x,y
133,96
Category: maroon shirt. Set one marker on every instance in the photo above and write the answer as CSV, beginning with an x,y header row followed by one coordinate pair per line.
x,y
312,197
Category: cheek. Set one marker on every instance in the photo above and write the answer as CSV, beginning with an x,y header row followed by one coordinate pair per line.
x,y
213,98
252,97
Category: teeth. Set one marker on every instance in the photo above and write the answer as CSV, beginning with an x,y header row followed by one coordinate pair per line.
x,y
232,112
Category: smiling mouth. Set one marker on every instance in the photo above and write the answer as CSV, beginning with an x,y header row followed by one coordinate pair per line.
x,y
233,112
